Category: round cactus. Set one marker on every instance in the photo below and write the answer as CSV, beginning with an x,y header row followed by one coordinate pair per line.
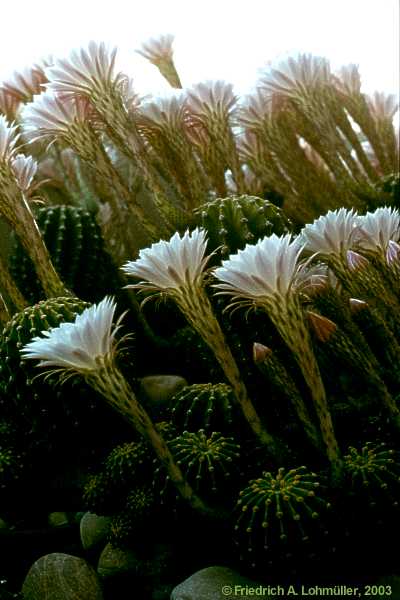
x,y
205,405
279,507
127,463
206,461
99,495
139,505
375,469
234,221
74,242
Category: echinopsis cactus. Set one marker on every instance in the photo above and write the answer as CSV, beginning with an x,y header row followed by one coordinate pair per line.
x,y
374,470
235,221
74,242
127,463
276,508
209,406
208,460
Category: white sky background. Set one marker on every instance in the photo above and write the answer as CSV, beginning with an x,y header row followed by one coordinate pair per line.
x,y
214,39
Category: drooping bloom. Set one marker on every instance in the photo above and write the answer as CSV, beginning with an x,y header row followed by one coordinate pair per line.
x,y
266,275
88,347
177,269
159,52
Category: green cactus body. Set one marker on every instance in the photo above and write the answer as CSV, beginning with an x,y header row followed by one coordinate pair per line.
x,y
280,508
374,471
74,242
127,463
26,401
138,509
203,405
207,460
234,221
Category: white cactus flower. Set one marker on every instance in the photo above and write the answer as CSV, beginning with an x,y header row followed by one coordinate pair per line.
x,y
84,71
8,140
158,49
170,266
261,272
79,346
51,115
296,75
24,168
378,228
333,233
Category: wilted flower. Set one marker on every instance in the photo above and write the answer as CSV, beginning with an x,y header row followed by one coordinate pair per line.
x,y
8,104
176,269
333,233
159,52
25,84
355,261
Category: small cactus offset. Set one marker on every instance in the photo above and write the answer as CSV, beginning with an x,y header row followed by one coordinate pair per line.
x,y
203,405
127,463
374,467
138,509
75,245
282,506
235,221
207,461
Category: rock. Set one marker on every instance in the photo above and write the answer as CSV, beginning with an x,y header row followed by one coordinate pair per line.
x,y
115,561
58,519
213,583
159,389
61,577
94,530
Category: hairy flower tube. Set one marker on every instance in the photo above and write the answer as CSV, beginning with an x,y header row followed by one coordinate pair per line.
x,y
159,52
88,347
15,175
268,275
176,269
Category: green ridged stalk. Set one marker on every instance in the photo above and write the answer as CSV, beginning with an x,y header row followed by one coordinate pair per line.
x,y
110,383
197,308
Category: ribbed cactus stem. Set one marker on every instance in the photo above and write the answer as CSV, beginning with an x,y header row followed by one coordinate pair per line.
x,y
110,383
30,237
10,289
198,310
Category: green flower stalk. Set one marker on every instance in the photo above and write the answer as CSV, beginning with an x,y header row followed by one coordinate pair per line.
x,y
16,211
159,52
11,291
270,276
176,269
87,348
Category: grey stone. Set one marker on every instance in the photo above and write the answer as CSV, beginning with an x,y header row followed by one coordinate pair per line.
x,y
94,530
116,561
61,577
213,583
159,389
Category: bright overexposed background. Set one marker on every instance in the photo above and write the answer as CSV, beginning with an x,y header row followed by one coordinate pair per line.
x,y
214,39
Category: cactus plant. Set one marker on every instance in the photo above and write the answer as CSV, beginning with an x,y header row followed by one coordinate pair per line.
x,y
234,221
203,405
127,463
374,469
74,242
138,508
282,506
